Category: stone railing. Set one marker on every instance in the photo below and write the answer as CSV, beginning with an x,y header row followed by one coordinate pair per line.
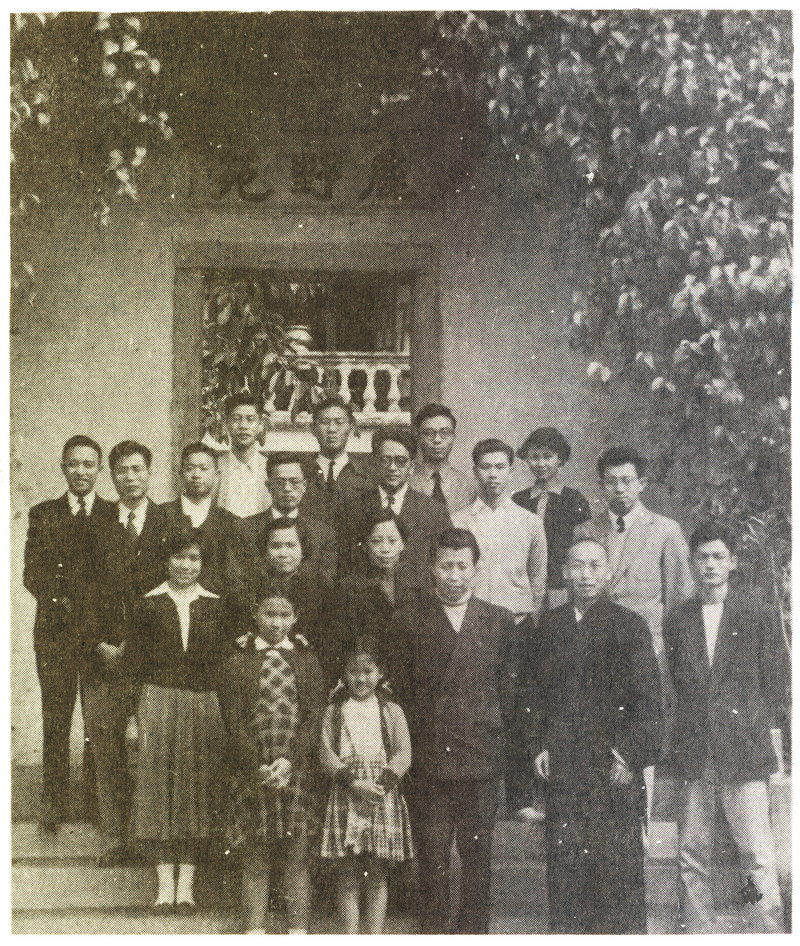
x,y
377,383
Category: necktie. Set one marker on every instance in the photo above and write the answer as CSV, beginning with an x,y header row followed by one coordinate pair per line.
x,y
81,513
130,528
620,524
330,480
438,492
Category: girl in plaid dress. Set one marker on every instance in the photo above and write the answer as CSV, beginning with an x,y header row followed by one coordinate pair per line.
x,y
366,749
271,699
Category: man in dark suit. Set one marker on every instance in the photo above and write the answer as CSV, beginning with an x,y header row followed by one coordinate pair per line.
x,y
422,517
219,529
287,484
334,479
132,564
461,694
598,714
62,562
729,666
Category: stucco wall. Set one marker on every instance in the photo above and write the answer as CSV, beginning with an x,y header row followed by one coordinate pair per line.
x,y
95,353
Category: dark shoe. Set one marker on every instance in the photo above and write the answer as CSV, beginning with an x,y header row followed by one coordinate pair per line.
x,y
118,856
185,909
277,901
163,909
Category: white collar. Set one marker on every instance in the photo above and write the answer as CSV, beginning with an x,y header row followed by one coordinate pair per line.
x,y
427,470
628,517
260,644
74,504
557,487
455,607
340,461
395,500
277,514
139,514
480,505
197,512
197,591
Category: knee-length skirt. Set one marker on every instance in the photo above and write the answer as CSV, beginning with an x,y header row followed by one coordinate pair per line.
x,y
177,791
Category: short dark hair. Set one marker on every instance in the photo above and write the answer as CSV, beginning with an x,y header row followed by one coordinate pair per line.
x,y
334,401
620,456
434,410
272,589
281,525
181,537
191,448
546,438
401,435
492,445
455,540
385,515
127,449
711,531
81,440
366,645
242,399
580,540
281,458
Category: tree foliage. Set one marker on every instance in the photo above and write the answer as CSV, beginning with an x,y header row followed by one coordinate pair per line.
x,y
677,130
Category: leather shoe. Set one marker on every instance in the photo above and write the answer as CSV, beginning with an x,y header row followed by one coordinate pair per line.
x,y
184,908
163,909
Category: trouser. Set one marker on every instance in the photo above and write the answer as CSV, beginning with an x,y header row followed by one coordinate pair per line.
x,y
595,862
746,808
59,684
464,809
106,716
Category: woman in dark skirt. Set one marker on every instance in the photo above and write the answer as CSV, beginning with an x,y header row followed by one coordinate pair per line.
x,y
173,656
272,700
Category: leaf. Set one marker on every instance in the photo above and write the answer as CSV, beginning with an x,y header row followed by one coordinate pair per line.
x,y
128,44
110,48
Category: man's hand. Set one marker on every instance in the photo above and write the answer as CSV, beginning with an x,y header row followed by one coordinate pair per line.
x,y
542,763
620,773
132,733
110,655
367,790
276,775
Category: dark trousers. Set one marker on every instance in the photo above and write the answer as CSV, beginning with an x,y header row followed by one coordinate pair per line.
x,y
106,705
465,810
595,863
58,682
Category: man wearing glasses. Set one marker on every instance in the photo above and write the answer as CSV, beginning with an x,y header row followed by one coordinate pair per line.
x,y
432,473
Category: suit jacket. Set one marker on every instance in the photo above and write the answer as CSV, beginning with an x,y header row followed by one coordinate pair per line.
x,y
129,572
462,690
62,570
423,518
563,512
154,650
724,710
221,534
652,575
320,550
331,506
597,685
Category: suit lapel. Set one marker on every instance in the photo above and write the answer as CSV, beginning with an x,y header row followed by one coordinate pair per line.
x,y
459,641
632,546
696,645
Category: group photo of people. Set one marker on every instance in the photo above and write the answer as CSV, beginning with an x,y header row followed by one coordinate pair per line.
x,y
335,672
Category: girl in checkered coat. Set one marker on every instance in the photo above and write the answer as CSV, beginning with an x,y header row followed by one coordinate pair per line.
x,y
366,749
271,699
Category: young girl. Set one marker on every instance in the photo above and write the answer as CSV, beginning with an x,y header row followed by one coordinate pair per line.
x,y
174,653
366,750
272,699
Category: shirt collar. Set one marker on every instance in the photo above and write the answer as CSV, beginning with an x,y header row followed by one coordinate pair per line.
x,y
480,506
260,644
454,607
628,518
197,512
74,504
197,592
556,488
396,498
340,461
425,470
277,514
139,514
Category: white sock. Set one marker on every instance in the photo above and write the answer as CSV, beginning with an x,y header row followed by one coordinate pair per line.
x,y
166,883
185,883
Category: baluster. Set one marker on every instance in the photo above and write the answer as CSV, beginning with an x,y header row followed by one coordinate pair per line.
x,y
344,383
393,396
369,391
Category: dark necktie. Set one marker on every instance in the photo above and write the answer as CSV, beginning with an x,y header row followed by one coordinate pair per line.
x,y
82,512
620,523
130,528
330,479
438,492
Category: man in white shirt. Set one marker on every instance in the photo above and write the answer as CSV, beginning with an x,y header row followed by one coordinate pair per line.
x,y
730,668
513,566
433,474
243,470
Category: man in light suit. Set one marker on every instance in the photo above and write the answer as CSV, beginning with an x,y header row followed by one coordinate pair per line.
x,y
729,665
648,557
